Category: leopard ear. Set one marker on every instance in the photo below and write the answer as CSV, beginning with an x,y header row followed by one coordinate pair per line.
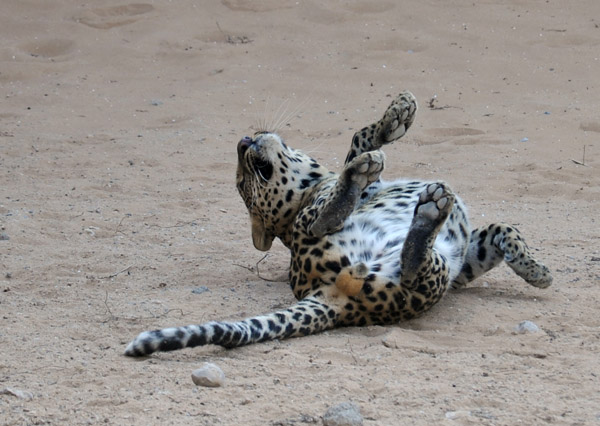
x,y
261,239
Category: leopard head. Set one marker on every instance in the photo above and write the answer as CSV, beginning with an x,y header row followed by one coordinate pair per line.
x,y
272,179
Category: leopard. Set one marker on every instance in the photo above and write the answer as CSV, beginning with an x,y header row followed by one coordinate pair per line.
x,y
363,250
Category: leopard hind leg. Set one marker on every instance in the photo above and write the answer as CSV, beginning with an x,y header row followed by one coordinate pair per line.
x,y
425,272
492,244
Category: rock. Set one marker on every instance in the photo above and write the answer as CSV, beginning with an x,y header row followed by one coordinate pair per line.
x,y
344,414
209,375
200,290
492,331
17,393
527,327
455,415
4,236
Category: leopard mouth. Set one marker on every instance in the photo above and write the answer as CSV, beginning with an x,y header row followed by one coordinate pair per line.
x,y
253,161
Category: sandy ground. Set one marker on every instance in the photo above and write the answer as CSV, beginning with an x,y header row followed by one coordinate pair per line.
x,y
118,127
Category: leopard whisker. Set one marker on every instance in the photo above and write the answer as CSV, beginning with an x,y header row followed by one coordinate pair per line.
x,y
279,116
260,121
261,175
317,150
285,118
263,123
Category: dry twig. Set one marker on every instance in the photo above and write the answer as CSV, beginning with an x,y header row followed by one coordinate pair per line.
x,y
117,230
234,39
179,224
113,317
431,104
582,162
257,270
115,274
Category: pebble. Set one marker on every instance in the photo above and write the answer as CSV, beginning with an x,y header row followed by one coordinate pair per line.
x,y
455,415
21,394
200,290
492,331
344,414
4,236
527,327
524,139
209,375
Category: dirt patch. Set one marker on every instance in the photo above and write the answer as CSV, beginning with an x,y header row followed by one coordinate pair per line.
x,y
118,210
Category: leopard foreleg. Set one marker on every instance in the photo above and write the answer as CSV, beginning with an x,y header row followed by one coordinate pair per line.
x,y
343,197
396,120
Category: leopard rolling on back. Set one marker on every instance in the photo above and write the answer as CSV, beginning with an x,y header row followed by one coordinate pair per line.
x,y
363,251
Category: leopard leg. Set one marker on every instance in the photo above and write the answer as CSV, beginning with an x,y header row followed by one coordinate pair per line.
x,y
342,199
396,120
424,271
494,243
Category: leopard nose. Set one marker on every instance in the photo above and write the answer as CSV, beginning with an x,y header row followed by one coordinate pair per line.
x,y
244,144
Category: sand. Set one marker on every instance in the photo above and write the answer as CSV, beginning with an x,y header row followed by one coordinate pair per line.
x,y
118,211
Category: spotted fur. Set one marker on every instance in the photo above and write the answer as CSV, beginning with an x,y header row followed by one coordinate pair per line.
x,y
363,251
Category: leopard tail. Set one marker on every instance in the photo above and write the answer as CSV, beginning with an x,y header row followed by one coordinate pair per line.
x,y
309,316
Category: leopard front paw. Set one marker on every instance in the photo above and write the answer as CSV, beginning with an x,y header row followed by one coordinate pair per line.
x,y
399,116
366,168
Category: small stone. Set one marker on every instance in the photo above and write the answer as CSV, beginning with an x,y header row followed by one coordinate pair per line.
x,y
200,290
524,139
492,331
17,393
344,414
455,415
4,236
209,375
527,327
